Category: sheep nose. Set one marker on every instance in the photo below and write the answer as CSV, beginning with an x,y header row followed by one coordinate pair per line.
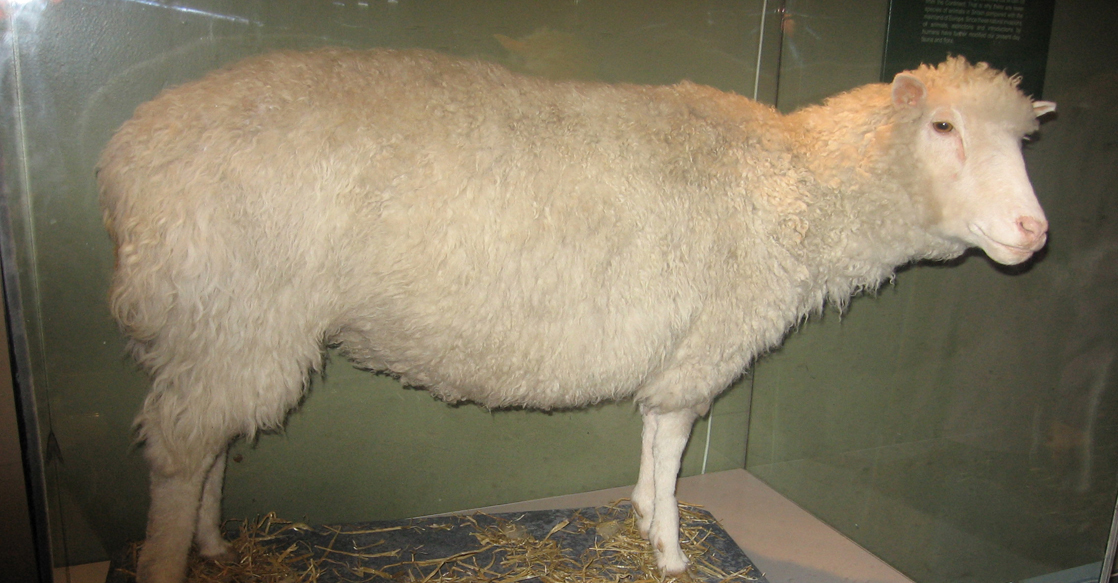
x,y
1033,230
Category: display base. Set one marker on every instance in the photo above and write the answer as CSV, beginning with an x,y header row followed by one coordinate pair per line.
x,y
591,544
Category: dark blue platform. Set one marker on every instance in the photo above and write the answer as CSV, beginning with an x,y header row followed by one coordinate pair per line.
x,y
596,543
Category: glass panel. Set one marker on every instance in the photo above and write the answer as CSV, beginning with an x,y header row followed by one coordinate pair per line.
x,y
962,424
361,448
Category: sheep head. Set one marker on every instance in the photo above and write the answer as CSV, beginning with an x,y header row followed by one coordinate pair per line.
x,y
971,121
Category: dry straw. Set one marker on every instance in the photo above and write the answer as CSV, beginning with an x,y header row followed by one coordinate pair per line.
x,y
506,553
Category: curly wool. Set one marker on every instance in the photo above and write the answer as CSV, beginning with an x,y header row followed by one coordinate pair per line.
x,y
495,238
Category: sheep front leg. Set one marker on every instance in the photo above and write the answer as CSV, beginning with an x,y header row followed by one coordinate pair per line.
x,y
663,440
207,534
643,493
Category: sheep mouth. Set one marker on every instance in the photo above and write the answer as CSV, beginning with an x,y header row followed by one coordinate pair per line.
x,y
1006,253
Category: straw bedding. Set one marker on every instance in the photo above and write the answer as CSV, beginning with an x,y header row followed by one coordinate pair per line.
x,y
556,546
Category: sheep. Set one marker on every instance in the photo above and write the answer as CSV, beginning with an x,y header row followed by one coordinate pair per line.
x,y
517,242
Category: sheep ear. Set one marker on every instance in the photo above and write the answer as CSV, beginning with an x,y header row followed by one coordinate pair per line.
x,y
1042,107
908,91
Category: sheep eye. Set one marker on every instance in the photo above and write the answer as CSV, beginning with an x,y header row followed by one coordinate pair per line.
x,y
943,127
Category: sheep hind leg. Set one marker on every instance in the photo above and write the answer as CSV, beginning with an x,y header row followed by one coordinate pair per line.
x,y
172,517
207,534
665,437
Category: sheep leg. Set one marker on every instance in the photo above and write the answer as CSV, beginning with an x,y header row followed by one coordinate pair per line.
x,y
663,440
175,498
644,491
207,535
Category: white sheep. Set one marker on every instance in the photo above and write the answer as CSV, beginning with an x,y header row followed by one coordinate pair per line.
x,y
514,241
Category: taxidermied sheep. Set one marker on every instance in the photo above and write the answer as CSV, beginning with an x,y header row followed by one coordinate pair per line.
x,y
514,241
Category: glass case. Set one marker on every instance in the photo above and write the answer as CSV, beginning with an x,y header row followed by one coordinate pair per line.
x,y
959,423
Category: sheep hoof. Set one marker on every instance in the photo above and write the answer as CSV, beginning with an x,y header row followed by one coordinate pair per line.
x,y
225,554
672,562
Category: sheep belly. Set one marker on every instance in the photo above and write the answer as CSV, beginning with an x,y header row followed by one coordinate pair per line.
x,y
505,309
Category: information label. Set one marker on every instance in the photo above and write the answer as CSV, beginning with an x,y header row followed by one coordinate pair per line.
x,y
1009,34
